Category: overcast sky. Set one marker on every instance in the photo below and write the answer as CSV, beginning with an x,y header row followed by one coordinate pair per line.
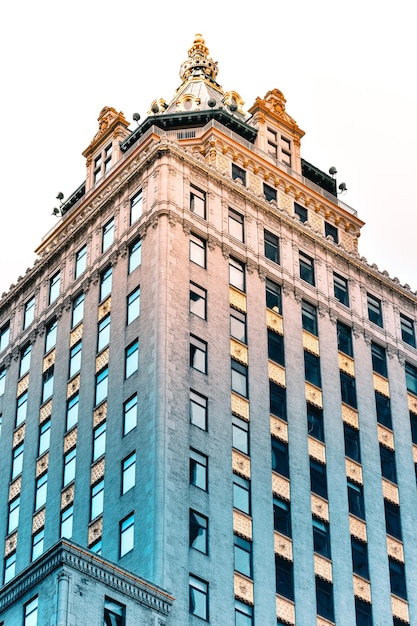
x,y
347,70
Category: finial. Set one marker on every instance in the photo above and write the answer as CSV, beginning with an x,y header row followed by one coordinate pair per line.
x,y
199,63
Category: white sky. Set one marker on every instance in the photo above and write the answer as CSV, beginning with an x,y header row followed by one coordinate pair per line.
x,y
347,70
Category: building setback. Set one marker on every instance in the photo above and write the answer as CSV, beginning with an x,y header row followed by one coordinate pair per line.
x,y
208,398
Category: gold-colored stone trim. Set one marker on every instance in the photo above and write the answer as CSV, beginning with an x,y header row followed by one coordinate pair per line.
x,y
285,610
242,524
350,416
385,436
276,373
241,464
38,520
102,359
412,403
45,412
274,322
311,343
73,386
319,507
10,544
390,491
19,435
104,308
357,528
238,351
279,428
49,360
95,531
42,464
76,335
100,414
322,621
280,486
400,608
243,588
237,299
22,385
15,488
283,546
316,449
323,567
314,395
381,385
362,588
97,471
67,496
354,471
346,364
70,440
240,406
395,548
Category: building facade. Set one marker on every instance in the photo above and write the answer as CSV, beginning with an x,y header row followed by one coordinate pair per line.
x,y
204,384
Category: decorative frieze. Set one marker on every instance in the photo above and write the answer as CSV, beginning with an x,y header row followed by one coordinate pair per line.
x,y
354,471
243,588
45,412
276,373
15,488
346,364
323,567
73,386
97,471
319,507
49,360
22,385
362,588
381,385
76,335
274,321
314,395
100,414
400,609
285,610
42,464
279,428
242,524
386,437
70,440
390,491
240,406
412,403
283,546
104,308
38,520
280,486
357,528
395,549
102,359
67,496
238,351
350,416
311,343
95,531
10,544
19,435
316,449
241,464
237,299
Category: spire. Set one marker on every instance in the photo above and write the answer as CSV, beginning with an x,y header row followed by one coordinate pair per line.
x,y
199,63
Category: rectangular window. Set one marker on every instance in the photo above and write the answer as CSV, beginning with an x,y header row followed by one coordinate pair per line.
x,y
4,337
132,359
198,354
393,520
383,410
198,202
2,380
97,500
198,410
321,537
271,246
388,467
238,173
277,401
235,222
102,381
237,274
344,339
282,516
276,347
240,434
286,151
67,519
127,534
54,287
243,614
29,314
9,567
40,492
130,414
70,459
198,470
413,424
352,443
379,359
341,289
374,310
114,612
324,599
270,193
238,325
241,494
133,305
312,368
50,335
411,378
359,558
80,261
25,360
284,577
17,463
279,454
198,301
44,437
198,250
22,408
397,578
103,335
135,255
407,330
99,441
318,478
239,378
348,389
136,205
273,296
77,310
243,556
128,472
198,597
108,235
47,384
301,212
31,612
355,499
198,526
13,518
105,283
331,231
306,268
75,359
363,613
315,422
272,142
309,317
72,411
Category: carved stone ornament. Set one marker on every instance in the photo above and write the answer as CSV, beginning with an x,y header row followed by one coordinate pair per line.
x,y
250,267
262,274
212,242
186,228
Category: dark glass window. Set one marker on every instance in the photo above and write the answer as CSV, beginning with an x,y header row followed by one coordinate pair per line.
x,y
240,434
324,598
352,444
321,537
276,347
309,317
198,354
363,613
306,268
331,231
284,577
198,597
407,330
318,478
355,500
388,468
374,310
198,469
344,339
238,173
360,557
277,400
105,283
341,289
236,223
383,410
315,422
348,389
239,378
280,462
136,203
198,301
77,312
393,519
273,296
270,193
301,212
198,532
397,578
411,378
114,613
379,359
271,246
135,255
413,423
241,494
243,556
312,368
282,516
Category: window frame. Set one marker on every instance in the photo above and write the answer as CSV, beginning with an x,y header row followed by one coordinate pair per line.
x,y
80,263
200,586
331,231
126,534
198,250
198,469
4,336
408,333
198,354
29,312
77,314
198,410
271,247
374,306
51,335
131,359
237,278
54,287
198,532
238,173
239,378
198,303
129,405
128,472
103,332
341,289
133,305
236,225
309,320
101,385
198,201
135,255
273,296
106,280
136,207
306,268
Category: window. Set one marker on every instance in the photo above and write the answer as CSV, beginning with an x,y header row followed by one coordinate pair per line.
x,y
102,380
315,422
379,359
306,268
135,255
301,212
103,338
407,330
136,205
309,317
237,274
133,305
198,301
131,359
321,537
397,578
240,434
324,598
25,360
282,516
67,518
2,380
374,310
273,296
238,173
13,519
29,314
284,577
352,443
102,163
97,546
197,250
44,437
105,283
388,468
272,142
243,556
271,247
128,472
241,494
198,410
277,401
344,339
114,613
198,599
276,347
341,289
54,286
279,450
198,354
238,325
99,441
75,359
413,424
127,534
198,202
270,193
80,261
393,519
331,231
50,335
70,459
383,410
411,378
236,225
348,389
4,337
130,414
355,500
363,613
286,151
243,614
77,310
22,407
17,463
97,499
47,384
9,567
198,532
40,492
31,612
312,368
198,469
318,478
359,557
72,411
239,378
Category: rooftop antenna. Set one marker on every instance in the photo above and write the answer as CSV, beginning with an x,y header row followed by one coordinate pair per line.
x,y
136,118
55,211
342,188
332,171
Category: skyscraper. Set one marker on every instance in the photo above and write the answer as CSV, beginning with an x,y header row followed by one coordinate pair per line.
x,y
208,397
